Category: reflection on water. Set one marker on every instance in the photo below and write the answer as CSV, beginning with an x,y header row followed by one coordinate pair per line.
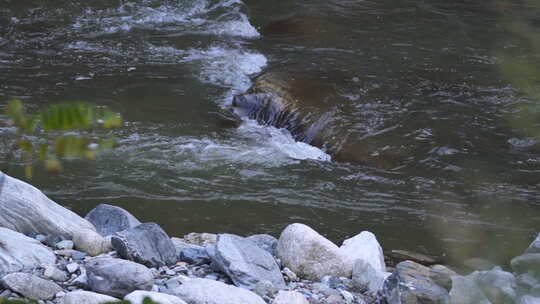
x,y
410,92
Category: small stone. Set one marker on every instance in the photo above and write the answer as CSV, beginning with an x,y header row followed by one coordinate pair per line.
x,y
265,289
30,286
52,240
347,296
194,255
289,275
60,294
86,297
89,241
55,274
334,299
72,267
201,239
64,245
290,297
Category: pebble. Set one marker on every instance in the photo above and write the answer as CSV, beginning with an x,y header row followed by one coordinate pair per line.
x,y
64,245
289,275
72,267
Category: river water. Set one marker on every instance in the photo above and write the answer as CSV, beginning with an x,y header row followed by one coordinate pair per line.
x,y
419,81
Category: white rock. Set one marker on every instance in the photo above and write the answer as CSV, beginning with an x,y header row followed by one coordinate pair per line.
x,y
91,242
72,267
86,297
366,247
19,252
310,255
205,291
289,297
365,276
26,209
138,296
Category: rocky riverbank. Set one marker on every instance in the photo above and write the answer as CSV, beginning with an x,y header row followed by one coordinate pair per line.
x,y
52,255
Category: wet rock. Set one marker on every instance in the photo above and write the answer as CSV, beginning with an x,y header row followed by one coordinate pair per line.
x,y
364,276
289,297
246,263
146,244
201,239
25,209
413,283
110,219
365,246
478,264
405,255
204,291
21,253
138,296
498,285
30,286
116,277
65,244
86,297
465,290
535,246
310,255
264,241
55,274
526,262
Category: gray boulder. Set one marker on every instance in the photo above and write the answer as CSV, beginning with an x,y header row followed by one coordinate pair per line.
x,y
19,253
290,297
535,246
526,262
26,209
364,276
30,286
116,277
465,290
246,263
499,286
86,297
146,244
264,241
110,219
138,296
205,291
310,255
413,283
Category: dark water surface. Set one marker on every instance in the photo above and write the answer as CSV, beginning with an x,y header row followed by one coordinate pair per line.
x,y
414,87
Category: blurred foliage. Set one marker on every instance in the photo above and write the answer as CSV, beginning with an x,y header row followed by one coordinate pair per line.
x,y
55,133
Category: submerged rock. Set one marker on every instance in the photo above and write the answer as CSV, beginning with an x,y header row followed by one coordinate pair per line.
x,y
116,277
30,286
246,263
86,297
26,209
310,255
413,283
205,291
147,244
21,253
111,219
365,246
138,296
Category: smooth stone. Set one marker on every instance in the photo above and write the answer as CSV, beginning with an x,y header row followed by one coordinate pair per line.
x,y
465,290
366,247
364,276
138,296
116,277
498,285
310,255
86,297
535,245
110,219
194,255
289,275
72,267
91,242
246,263
526,262
64,245
146,244
55,274
405,255
289,297
26,209
264,241
201,239
30,286
529,300
21,253
204,291
413,283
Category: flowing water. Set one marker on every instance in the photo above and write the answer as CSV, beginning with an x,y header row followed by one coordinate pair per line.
x,y
414,86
